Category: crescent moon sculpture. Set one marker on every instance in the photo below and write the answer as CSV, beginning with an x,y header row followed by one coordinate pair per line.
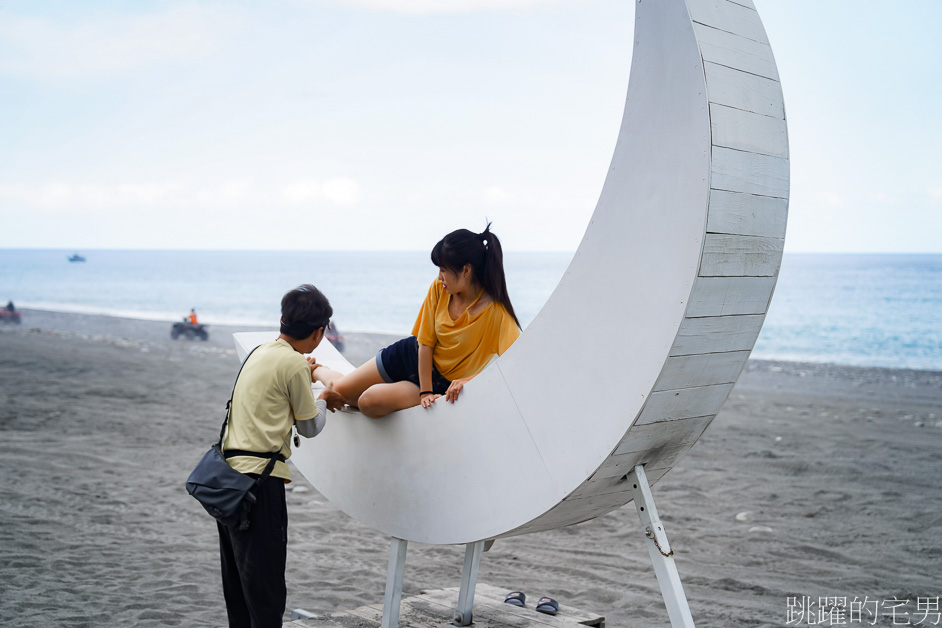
x,y
673,279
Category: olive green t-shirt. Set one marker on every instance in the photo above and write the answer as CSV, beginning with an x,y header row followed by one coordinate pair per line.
x,y
273,390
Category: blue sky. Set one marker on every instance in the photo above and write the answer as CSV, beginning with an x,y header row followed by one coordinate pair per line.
x,y
382,124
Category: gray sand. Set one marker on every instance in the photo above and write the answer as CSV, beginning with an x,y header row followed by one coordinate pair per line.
x,y
833,471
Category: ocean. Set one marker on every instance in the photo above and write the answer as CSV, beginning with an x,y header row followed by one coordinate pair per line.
x,y
861,310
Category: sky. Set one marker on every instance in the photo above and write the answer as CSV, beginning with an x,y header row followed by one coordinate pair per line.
x,y
384,124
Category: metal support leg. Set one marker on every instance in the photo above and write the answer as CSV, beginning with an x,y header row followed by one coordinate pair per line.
x,y
469,579
393,597
660,550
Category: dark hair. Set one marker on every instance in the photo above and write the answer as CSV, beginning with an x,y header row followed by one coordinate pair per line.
x,y
304,310
483,252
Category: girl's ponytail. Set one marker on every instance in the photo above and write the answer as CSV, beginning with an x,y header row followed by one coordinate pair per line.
x,y
492,276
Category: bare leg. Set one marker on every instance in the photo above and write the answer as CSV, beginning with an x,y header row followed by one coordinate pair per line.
x,y
382,399
351,385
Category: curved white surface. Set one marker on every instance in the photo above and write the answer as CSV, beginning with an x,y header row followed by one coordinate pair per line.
x,y
672,278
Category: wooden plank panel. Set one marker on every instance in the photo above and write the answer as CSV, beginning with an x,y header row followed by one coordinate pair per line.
x,y
483,612
717,334
436,608
575,511
320,622
688,371
595,504
741,171
348,619
727,255
724,296
644,437
741,90
622,465
615,483
735,51
369,613
747,214
730,17
684,403
496,594
490,610
421,613
748,131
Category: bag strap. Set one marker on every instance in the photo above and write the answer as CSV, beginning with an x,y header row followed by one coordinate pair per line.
x,y
268,469
272,457
222,431
240,452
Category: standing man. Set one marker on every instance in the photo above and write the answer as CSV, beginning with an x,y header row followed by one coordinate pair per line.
x,y
271,394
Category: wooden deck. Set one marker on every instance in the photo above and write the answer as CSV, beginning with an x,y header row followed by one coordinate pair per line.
x,y
435,608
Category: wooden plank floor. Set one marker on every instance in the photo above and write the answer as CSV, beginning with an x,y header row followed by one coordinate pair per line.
x,y
435,608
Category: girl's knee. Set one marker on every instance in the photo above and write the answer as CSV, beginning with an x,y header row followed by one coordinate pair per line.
x,y
372,403
382,399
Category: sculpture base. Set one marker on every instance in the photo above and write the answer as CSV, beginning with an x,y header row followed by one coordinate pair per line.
x,y
437,608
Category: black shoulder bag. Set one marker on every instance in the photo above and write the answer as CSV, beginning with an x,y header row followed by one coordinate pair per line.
x,y
225,493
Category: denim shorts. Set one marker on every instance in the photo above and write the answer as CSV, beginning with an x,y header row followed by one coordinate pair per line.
x,y
399,362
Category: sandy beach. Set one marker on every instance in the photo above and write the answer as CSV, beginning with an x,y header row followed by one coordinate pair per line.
x,y
815,480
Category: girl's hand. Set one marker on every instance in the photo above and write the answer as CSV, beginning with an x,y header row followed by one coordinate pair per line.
x,y
427,400
454,389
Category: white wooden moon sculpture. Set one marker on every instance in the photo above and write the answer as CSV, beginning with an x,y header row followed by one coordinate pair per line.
x,y
672,281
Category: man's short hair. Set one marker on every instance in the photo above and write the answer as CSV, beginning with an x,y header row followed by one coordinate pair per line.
x,y
303,311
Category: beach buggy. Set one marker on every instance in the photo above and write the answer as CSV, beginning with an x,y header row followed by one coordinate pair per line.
x,y
9,314
189,330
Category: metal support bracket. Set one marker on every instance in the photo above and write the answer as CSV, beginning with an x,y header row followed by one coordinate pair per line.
x,y
469,580
660,551
393,598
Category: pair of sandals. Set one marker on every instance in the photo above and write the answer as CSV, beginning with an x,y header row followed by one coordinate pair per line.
x,y
544,605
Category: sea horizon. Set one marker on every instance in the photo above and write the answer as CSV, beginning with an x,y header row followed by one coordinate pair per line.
x,y
856,309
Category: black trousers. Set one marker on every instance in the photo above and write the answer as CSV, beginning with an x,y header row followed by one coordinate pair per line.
x,y
253,561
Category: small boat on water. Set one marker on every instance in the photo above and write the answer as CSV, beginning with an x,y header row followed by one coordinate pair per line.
x,y
75,257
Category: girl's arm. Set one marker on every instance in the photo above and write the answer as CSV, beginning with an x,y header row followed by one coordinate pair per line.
x,y
425,375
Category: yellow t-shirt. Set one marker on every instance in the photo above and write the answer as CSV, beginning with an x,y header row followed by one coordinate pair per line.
x,y
273,390
462,347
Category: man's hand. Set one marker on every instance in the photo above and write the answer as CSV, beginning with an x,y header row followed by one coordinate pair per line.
x,y
334,399
312,361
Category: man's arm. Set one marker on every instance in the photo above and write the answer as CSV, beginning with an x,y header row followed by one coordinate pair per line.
x,y
309,428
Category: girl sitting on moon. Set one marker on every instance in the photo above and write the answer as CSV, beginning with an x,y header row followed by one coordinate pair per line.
x,y
465,320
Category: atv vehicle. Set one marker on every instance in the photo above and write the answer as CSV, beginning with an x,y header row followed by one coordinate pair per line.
x,y
189,331
335,337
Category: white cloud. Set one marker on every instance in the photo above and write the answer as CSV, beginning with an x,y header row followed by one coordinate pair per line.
x,y
340,190
226,194
935,193
835,200
425,7
881,197
496,195
41,48
59,197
